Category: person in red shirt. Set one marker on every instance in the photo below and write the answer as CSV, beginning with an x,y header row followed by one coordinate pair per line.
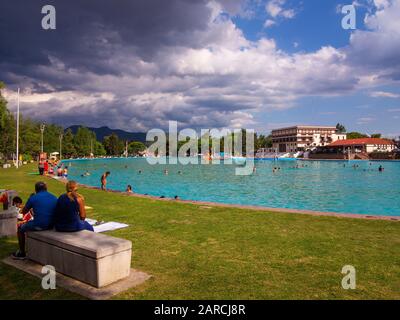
x,y
46,167
41,167
4,200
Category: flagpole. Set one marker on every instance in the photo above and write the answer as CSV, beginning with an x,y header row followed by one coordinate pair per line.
x,y
18,131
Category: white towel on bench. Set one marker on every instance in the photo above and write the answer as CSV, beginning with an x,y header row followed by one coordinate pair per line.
x,y
109,226
106,226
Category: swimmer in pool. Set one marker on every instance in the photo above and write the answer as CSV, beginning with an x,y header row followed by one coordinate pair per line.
x,y
103,180
129,189
86,174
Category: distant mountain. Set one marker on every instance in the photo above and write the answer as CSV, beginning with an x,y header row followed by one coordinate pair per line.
x,y
106,131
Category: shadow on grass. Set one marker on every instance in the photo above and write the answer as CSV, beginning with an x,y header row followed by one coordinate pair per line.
x,y
17,285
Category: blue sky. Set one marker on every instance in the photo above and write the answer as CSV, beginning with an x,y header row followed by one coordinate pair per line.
x,y
256,64
316,24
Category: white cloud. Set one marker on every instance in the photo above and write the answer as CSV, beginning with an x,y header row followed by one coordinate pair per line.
x,y
61,102
365,120
275,8
377,48
269,23
382,4
384,94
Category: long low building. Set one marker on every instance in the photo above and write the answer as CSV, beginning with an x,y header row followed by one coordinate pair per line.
x,y
304,138
367,145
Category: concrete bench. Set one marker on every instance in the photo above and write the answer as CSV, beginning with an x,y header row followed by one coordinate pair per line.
x,y
8,223
93,258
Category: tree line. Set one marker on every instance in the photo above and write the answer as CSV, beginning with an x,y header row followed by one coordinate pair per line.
x,y
354,134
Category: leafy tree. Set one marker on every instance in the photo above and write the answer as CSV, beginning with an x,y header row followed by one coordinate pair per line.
x,y
68,147
340,128
263,142
376,135
356,135
203,140
7,129
234,140
98,149
51,138
29,133
137,147
83,141
113,145
4,113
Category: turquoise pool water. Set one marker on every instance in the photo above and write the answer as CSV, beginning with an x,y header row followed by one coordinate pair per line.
x,y
333,186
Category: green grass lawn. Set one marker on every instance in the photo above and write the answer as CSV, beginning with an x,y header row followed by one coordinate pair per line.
x,y
198,252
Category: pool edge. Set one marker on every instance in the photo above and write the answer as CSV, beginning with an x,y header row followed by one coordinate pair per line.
x,y
248,207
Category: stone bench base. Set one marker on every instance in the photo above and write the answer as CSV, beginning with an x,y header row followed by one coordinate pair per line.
x,y
136,278
8,223
93,258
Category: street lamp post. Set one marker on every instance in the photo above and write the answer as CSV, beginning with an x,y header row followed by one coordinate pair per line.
x,y
18,131
42,126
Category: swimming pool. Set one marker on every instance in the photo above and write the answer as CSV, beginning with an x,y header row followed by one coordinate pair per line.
x,y
331,186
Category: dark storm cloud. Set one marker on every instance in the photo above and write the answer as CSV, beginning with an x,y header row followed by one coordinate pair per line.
x,y
90,31
97,42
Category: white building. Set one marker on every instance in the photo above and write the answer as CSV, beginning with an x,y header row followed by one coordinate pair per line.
x,y
303,138
368,145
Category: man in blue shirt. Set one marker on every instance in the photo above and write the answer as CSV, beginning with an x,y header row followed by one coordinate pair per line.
x,y
43,205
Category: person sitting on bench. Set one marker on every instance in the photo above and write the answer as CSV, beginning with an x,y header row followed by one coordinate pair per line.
x,y
43,205
21,218
70,211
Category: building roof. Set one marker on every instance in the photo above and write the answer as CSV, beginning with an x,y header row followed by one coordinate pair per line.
x,y
306,127
362,141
